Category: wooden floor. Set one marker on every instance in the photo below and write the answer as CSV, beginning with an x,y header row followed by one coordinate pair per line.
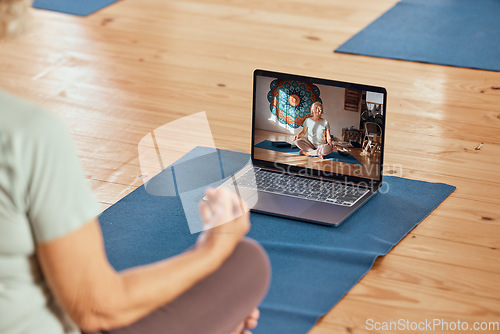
x,y
119,74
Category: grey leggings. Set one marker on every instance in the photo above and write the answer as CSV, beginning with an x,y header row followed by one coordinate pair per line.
x,y
217,304
306,145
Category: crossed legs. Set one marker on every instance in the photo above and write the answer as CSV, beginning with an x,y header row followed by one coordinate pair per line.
x,y
310,149
216,305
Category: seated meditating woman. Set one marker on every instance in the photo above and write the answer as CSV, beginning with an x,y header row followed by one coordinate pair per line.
x,y
315,139
55,277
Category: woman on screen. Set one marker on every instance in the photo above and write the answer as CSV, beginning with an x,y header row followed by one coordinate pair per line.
x,y
315,138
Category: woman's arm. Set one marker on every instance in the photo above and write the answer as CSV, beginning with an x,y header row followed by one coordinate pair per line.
x,y
328,137
301,134
97,297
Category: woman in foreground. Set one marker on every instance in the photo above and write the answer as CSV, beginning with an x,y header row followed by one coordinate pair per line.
x,y
54,273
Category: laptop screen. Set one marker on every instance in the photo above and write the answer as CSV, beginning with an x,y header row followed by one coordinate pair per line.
x,y
326,127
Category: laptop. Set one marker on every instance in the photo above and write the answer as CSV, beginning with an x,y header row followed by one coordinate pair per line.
x,y
318,168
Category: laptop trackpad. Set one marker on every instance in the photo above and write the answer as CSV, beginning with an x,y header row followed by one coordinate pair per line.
x,y
282,205
301,209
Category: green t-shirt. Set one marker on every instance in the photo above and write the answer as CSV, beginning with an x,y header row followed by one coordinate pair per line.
x,y
43,195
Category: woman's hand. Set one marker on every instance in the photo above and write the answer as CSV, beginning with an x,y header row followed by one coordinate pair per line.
x,y
226,221
295,137
249,323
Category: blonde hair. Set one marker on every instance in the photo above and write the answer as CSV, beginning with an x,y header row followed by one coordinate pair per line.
x,y
312,105
14,17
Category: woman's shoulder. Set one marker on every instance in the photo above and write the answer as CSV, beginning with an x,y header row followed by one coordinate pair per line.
x,y
19,115
30,125
308,120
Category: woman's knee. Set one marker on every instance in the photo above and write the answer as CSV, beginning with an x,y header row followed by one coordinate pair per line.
x,y
252,256
298,142
326,149
303,144
253,250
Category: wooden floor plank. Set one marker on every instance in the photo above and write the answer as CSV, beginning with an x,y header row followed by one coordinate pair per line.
x,y
450,252
438,276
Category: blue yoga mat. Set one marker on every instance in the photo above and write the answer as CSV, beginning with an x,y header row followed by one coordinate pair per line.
x,y
460,33
80,7
313,266
267,144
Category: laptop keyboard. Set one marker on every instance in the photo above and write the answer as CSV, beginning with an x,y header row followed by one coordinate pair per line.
x,y
300,187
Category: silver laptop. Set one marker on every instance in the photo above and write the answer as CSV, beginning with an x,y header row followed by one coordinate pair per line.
x,y
312,166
